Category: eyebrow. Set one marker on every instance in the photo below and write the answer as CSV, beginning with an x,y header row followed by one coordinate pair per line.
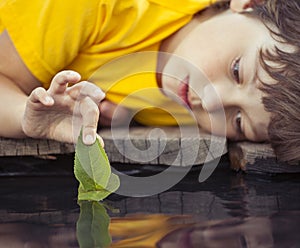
x,y
250,129
254,132
254,76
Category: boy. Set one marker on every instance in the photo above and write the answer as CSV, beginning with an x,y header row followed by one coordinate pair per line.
x,y
246,59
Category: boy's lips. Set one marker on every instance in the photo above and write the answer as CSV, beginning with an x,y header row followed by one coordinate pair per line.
x,y
183,91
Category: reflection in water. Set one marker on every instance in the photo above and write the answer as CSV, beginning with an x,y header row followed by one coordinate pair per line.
x,y
94,229
228,210
175,232
143,230
92,225
24,234
162,231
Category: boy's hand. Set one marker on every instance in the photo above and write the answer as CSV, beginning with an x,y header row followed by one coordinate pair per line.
x,y
59,112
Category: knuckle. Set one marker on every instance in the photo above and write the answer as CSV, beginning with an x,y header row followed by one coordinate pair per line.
x,y
84,85
90,89
92,111
38,91
89,107
88,126
59,79
64,76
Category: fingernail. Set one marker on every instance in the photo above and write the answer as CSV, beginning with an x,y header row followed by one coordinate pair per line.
x,y
89,139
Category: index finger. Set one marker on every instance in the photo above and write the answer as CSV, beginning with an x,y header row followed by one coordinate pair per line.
x,y
60,81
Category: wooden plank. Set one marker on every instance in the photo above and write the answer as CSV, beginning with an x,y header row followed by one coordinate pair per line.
x,y
32,147
166,145
138,145
257,158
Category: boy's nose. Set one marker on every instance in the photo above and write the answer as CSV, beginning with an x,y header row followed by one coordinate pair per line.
x,y
212,98
218,96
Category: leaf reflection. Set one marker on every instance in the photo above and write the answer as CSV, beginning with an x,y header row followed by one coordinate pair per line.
x,y
92,225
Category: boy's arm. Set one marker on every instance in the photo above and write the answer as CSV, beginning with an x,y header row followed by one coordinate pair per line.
x,y
24,110
29,110
57,113
16,82
12,106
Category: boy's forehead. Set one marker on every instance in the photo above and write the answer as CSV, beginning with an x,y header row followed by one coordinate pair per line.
x,y
274,35
243,23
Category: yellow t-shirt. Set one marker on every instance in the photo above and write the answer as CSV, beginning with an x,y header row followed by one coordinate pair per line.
x,y
97,38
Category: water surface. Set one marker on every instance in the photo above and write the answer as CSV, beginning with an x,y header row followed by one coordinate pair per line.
x,y
38,208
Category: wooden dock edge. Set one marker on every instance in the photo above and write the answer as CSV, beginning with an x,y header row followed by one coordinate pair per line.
x,y
257,158
168,148
141,145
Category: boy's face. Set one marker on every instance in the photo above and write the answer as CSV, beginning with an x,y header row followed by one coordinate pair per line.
x,y
225,47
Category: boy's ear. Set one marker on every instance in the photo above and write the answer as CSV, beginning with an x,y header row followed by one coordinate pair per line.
x,y
243,5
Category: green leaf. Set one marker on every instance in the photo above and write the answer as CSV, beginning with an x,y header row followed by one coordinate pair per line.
x,y
92,170
92,225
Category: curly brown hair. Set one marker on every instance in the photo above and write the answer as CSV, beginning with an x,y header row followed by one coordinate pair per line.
x,y
282,98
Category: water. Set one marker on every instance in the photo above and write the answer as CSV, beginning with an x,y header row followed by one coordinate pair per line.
x,y
38,208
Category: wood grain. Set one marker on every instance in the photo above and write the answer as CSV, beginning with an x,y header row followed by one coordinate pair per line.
x,y
164,146
138,145
257,158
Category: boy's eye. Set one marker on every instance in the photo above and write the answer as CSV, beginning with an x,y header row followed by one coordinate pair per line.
x,y
238,122
236,70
